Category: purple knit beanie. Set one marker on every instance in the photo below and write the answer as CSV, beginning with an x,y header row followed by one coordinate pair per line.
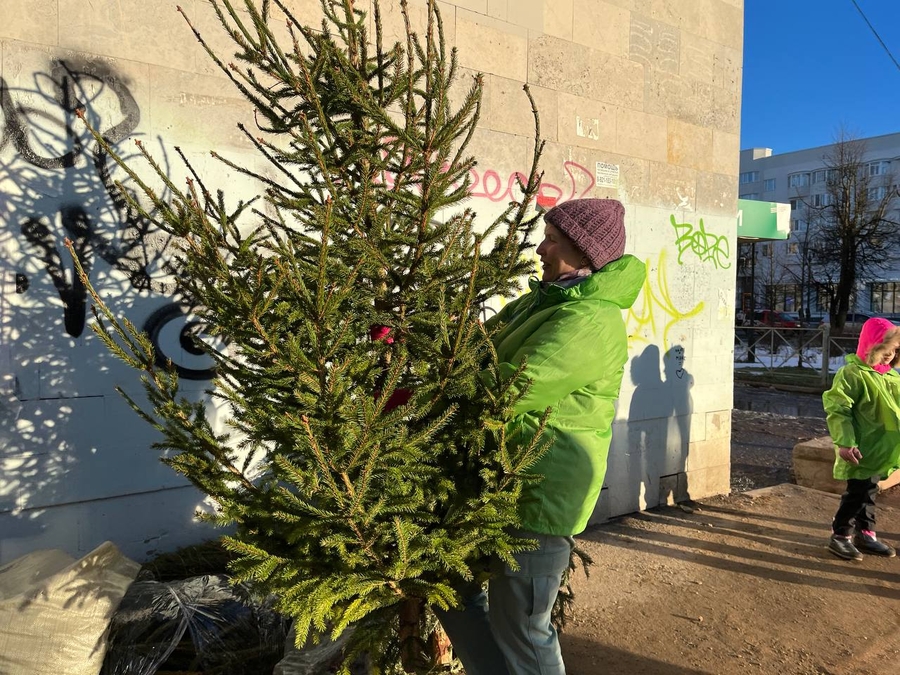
x,y
597,226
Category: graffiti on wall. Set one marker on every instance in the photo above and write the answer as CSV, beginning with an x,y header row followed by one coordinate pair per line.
x,y
59,184
63,187
501,187
74,189
707,246
68,86
489,185
655,312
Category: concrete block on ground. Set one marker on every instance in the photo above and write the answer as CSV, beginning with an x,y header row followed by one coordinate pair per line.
x,y
813,463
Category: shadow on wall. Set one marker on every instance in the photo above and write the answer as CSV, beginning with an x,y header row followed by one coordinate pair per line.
x,y
65,436
651,460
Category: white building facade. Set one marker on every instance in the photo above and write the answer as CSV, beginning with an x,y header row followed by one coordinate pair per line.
x,y
780,271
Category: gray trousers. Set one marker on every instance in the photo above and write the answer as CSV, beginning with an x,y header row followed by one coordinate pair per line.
x,y
507,630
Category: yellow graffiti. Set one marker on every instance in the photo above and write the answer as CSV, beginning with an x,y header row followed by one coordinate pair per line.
x,y
653,314
654,308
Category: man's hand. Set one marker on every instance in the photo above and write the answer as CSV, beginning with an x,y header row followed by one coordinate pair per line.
x,y
852,455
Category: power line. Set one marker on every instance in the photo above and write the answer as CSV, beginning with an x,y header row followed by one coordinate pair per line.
x,y
875,32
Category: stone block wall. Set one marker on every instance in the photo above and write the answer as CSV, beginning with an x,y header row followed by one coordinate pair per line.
x,y
639,100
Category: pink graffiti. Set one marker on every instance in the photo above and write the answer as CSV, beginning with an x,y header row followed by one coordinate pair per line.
x,y
490,185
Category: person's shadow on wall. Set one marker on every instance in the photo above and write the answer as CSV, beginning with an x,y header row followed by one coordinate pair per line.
x,y
659,428
678,382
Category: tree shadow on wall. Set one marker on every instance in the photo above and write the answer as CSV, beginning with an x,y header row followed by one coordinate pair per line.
x,y
659,429
65,435
59,184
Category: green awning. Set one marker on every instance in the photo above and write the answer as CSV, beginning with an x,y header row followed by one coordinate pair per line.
x,y
763,220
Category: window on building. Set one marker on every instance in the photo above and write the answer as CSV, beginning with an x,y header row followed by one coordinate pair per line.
x,y
793,248
798,180
885,297
876,194
749,177
822,200
769,185
750,195
783,297
879,168
767,250
797,225
823,175
796,204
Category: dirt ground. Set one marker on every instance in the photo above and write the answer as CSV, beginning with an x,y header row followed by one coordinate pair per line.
x,y
762,446
741,583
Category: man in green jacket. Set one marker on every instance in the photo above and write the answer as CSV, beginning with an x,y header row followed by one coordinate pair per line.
x,y
569,330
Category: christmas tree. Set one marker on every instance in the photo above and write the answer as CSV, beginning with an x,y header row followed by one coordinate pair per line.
x,y
365,467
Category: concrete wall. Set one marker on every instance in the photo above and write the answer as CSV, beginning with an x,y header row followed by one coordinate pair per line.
x,y
639,100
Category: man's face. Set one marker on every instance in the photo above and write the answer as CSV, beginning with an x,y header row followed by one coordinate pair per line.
x,y
558,254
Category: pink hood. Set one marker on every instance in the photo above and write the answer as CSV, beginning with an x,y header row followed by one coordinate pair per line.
x,y
872,335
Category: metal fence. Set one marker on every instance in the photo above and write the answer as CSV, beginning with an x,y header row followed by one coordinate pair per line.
x,y
801,356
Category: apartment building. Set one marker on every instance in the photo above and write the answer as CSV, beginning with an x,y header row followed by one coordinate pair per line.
x,y
783,275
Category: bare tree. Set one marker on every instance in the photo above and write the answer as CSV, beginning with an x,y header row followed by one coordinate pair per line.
x,y
854,228
798,270
774,272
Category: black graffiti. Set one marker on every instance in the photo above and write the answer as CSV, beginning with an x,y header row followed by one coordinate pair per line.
x,y
79,190
486,313
178,338
76,188
66,81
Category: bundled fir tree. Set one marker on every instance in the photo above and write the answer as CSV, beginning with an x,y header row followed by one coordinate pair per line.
x,y
365,466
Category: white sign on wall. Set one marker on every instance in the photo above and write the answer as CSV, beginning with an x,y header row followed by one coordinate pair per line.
x,y
607,175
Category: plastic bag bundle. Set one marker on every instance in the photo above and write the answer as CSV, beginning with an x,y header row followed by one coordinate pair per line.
x,y
202,624
313,658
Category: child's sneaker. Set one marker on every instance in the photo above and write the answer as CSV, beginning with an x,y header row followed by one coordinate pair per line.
x,y
842,547
867,542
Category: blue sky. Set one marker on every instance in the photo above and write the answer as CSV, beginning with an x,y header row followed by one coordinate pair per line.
x,y
811,65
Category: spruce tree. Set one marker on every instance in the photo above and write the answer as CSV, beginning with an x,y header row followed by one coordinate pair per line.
x,y
364,467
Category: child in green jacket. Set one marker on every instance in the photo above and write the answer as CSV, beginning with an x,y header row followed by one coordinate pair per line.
x,y
863,414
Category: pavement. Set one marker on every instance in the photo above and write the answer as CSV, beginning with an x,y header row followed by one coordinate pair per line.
x,y
734,585
739,584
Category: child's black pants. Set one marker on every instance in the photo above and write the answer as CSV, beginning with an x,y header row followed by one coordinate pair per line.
x,y
857,509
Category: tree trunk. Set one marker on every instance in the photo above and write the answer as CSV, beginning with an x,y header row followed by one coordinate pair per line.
x,y
440,648
417,654
413,655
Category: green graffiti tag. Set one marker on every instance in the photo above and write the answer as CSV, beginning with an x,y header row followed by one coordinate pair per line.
x,y
708,247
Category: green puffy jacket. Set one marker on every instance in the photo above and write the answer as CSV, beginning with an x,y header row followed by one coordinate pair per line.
x,y
576,347
863,411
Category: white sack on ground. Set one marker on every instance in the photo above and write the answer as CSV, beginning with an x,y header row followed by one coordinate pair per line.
x,y
55,611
